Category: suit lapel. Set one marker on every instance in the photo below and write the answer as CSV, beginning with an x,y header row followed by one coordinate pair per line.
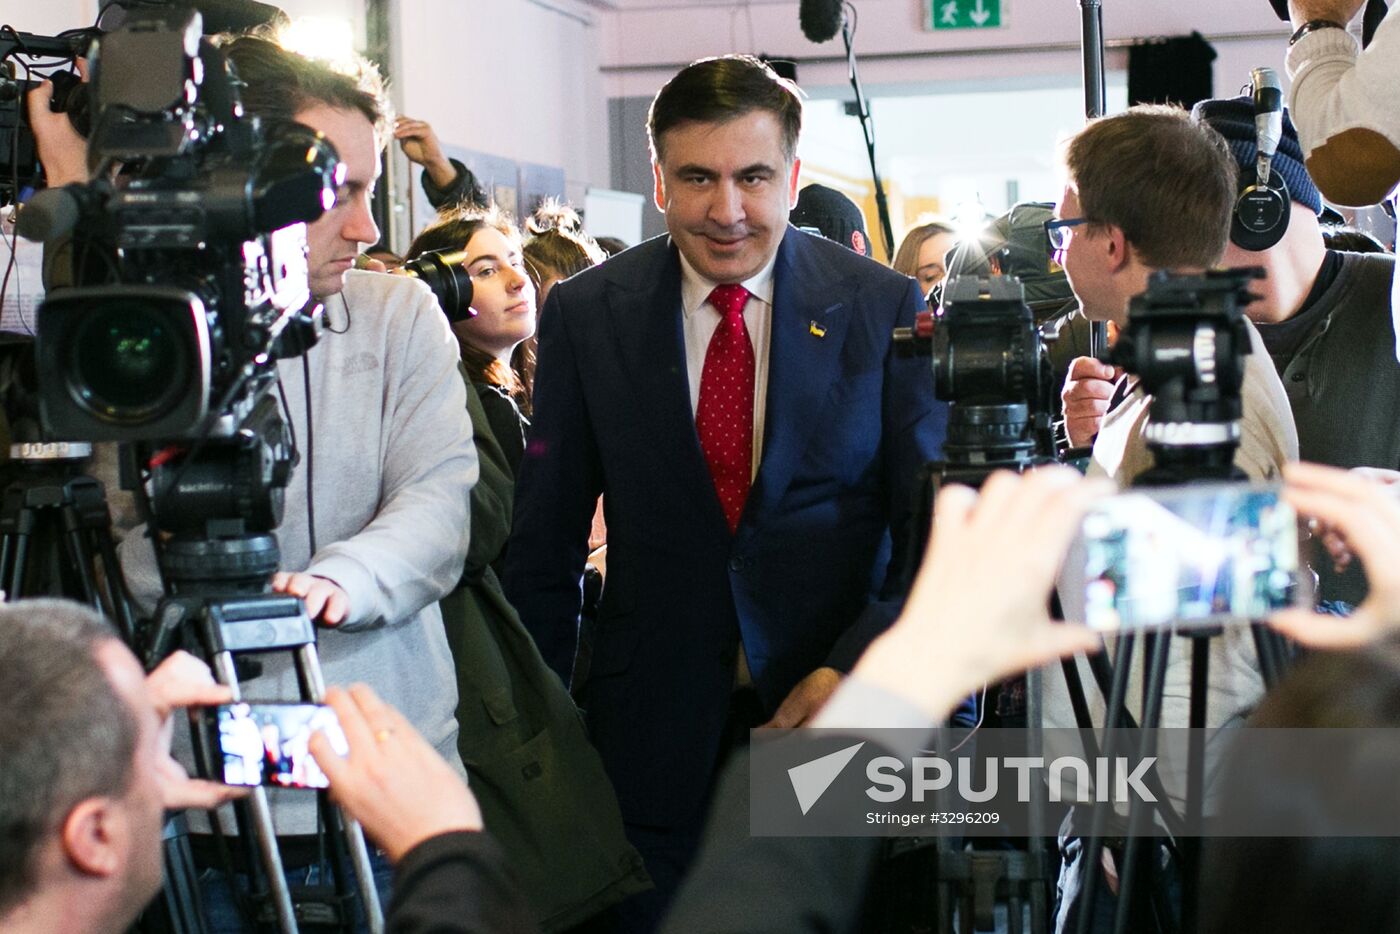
x,y
810,322
645,314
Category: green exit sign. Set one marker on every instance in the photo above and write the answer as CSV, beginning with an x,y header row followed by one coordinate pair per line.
x,y
966,14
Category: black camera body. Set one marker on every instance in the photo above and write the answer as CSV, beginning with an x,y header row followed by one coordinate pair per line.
x,y
989,364
191,278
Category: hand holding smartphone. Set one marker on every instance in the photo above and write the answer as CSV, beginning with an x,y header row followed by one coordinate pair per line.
x,y
266,744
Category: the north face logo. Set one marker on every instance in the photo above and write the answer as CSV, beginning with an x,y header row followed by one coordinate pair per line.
x,y
362,362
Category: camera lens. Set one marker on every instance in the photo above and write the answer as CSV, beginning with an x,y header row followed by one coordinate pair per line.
x,y
126,363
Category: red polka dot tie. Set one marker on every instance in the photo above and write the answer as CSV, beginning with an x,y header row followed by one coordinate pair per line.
x,y
724,415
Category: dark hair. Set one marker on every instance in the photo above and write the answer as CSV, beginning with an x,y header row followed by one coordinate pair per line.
x,y
906,258
558,246
453,229
717,90
1165,180
65,735
1319,882
611,245
1351,240
280,83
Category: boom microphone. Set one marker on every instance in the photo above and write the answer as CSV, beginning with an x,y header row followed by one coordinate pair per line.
x,y
820,19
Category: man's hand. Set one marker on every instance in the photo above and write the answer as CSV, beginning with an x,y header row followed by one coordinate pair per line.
x,y
1338,11
977,612
393,782
184,681
1088,390
420,144
1366,515
324,599
805,699
62,152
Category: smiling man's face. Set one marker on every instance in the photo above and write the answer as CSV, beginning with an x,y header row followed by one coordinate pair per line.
x,y
726,189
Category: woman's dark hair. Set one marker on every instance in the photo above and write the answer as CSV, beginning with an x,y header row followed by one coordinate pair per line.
x,y
453,229
558,246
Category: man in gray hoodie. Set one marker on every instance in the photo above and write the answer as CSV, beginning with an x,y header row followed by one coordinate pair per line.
x,y
387,459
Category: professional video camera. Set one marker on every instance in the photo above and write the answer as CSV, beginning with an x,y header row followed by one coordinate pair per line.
x,y
191,275
989,365
451,284
1186,340
1015,244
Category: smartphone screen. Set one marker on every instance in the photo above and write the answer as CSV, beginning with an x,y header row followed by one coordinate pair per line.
x,y
1195,554
266,744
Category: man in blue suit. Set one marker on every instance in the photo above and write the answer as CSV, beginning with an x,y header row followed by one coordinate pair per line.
x,y
733,393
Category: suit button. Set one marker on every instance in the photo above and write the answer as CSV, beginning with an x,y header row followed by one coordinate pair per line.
x,y
736,564
1297,377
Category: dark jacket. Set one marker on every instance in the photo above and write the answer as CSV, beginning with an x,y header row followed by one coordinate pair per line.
x,y
459,882
849,427
463,190
540,784
741,883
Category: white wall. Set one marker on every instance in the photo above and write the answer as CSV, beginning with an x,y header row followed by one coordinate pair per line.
x,y
646,40
513,78
47,17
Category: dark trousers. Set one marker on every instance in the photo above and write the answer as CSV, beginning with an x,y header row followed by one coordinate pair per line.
x,y
222,912
670,851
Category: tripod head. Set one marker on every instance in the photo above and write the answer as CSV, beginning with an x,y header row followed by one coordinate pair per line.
x,y
1186,340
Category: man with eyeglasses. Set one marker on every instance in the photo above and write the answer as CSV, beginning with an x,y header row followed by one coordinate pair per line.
x,y
1150,189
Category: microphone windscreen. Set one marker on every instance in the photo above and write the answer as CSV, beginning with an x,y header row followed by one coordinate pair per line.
x,y
820,19
49,214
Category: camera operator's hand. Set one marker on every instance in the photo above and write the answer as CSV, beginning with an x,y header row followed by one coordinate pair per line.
x,y
420,144
178,682
325,601
1338,11
1366,515
62,151
1088,390
977,612
393,782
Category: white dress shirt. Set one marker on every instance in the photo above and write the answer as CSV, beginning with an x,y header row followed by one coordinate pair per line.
x,y
700,321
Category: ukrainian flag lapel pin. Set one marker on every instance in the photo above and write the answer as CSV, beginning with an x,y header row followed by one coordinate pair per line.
x,y
816,329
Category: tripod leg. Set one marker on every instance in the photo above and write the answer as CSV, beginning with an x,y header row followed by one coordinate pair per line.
x,y
24,528
80,559
261,811
1092,846
309,671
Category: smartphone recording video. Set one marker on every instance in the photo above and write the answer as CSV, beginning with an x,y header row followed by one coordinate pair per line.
x,y
1190,555
266,744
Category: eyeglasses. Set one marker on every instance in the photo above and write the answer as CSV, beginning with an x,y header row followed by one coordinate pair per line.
x,y
1058,230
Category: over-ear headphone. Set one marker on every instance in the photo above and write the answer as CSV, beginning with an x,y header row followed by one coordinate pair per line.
x,y
1263,206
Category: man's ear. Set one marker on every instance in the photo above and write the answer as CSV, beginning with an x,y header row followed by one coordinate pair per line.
x,y
792,181
658,194
92,837
1116,247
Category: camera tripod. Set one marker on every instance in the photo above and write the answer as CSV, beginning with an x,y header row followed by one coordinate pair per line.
x,y
1137,864
216,504
1186,341
56,541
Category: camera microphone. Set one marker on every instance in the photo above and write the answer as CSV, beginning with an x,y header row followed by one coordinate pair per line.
x,y
820,19
52,213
